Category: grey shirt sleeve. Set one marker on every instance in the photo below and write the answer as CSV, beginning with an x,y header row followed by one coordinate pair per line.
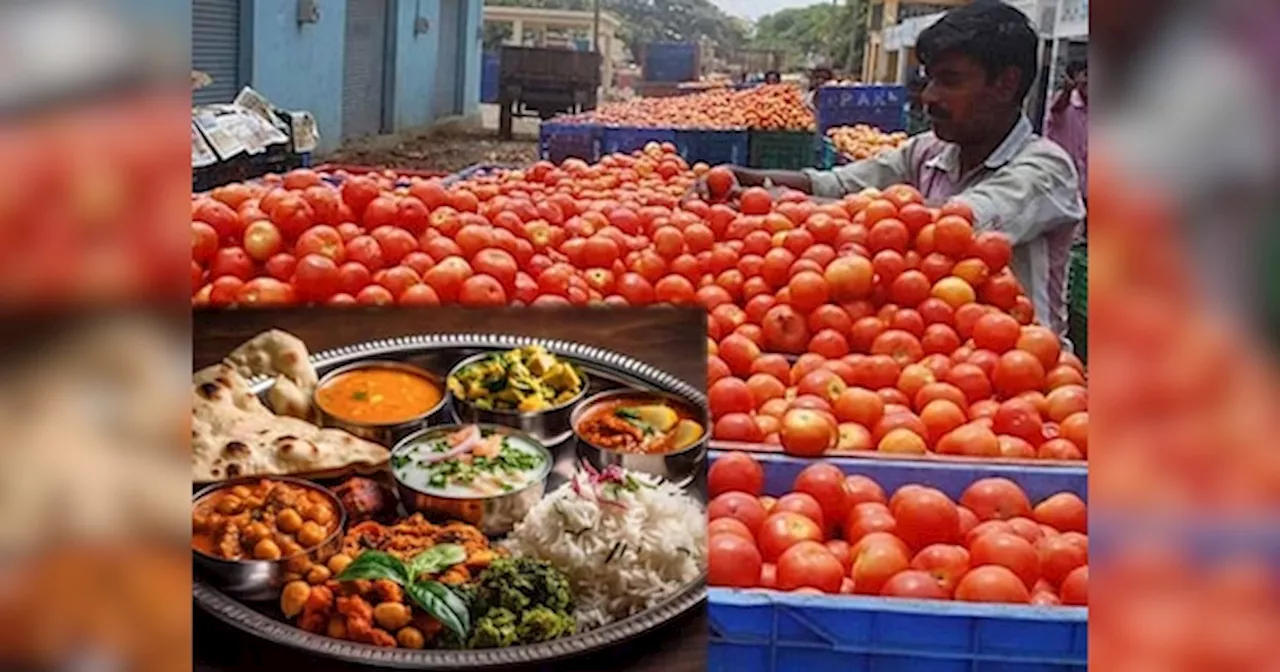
x,y
887,169
1035,193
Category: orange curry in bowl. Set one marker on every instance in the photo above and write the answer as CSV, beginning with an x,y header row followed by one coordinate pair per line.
x,y
640,424
377,395
266,520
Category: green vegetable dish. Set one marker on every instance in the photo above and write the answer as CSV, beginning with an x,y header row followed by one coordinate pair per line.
x,y
517,601
525,380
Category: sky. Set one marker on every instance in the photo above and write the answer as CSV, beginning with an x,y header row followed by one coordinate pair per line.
x,y
754,9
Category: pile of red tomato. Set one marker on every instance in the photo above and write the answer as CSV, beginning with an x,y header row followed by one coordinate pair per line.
x,y
839,534
869,323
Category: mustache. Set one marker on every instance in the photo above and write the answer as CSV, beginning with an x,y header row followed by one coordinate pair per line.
x,y
938,112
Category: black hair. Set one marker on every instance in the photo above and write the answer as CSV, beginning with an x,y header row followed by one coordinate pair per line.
x,y
774,74
1076,67
916,81
993,33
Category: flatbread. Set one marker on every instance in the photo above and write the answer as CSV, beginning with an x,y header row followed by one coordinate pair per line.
x,y
234,434
283,355
285,398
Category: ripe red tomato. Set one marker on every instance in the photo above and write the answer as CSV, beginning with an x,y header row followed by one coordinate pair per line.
x,y
874,563
996,499
1075,588
992,583
809,564
826,484
946,563
732,561
801,503
735,471
1007,550
231,261
396,279
926,516
807,433
204,242
1064,511
914,584
740,505
446,278
783,530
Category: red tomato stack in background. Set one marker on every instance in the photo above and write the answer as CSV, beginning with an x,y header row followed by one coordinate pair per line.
x,y
869,323
835,533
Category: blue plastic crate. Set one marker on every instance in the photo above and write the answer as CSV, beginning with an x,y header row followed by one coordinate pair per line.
x,y
489,79
712,147
772,631
560,141
881,106
627,139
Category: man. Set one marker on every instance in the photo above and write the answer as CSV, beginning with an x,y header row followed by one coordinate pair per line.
x,y
820,75
1067,122
773,77
980,60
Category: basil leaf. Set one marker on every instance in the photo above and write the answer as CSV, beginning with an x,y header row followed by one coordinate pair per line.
x,y
436,559
376,565
442,604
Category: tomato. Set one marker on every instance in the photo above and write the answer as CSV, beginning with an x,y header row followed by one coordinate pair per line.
x,y
740,505
729,526
420,295
996,499
997,332
730,395
785,330
860,489
807,433
218,216
324,240
822,383
732,561
366,251
784,529
946,564
1075,428
914,584
293,215
858,405
970,380
993,248
446,278
232,261
738,427
262,240
1007,550
809,564
899,345
1066,401
875,563
1064,511
808,291
1017,372
1075,588
674,289
992,583
825,483
801,503
265,292
926,516
397,279
735,471
374,295
953,236
204,242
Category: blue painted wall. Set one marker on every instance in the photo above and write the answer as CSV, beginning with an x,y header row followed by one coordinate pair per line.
x,y
299,67
416,58
415,63
473,39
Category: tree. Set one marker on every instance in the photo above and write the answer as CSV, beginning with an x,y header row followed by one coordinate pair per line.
x,y
835,33
645,21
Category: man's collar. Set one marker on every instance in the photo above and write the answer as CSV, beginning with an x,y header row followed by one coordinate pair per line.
x,y
948,160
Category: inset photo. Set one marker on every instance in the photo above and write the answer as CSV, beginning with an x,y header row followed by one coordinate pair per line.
x,y
449,489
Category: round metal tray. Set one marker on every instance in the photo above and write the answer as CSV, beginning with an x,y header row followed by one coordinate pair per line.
x,y
605,369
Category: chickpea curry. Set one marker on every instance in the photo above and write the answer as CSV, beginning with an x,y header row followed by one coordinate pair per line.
x,y
378,395
640,424
266,520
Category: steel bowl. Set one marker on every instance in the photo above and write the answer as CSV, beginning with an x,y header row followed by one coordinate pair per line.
x,y
494,515
254,580
387,434
550,426
681,468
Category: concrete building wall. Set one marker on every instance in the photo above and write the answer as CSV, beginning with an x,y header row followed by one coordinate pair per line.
x,y
299,66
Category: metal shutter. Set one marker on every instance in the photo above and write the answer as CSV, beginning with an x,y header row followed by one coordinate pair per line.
x,y
364,67
215,48
449,60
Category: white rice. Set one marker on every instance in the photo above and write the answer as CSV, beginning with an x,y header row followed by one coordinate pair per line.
x,y
657,543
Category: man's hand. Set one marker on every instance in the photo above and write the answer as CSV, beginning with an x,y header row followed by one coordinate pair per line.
x,y
749,177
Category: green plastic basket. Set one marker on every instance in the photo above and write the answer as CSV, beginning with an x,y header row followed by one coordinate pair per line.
x,y
1078,300
781,150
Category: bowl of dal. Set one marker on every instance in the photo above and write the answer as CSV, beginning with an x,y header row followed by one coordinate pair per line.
x,y
382,401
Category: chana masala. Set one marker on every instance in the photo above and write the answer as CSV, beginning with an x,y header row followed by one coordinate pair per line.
x,y
266,520
640,424
378,395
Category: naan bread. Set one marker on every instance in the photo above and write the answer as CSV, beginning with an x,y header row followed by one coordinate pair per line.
x,y
283,355
234,434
